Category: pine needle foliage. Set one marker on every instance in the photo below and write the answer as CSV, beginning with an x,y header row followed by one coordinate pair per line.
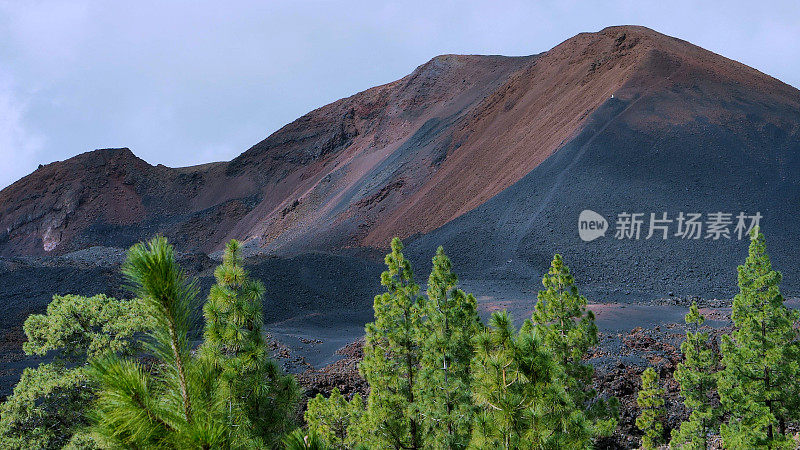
x,y
335,419
260,397
46,409
300,440
522,404
49,404
697,376
156,278
569,332
759,385
445,377
392,353
177,407
82,328
651,410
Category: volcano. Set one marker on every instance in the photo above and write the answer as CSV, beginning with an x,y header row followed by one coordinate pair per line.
x,y
503,161
492,157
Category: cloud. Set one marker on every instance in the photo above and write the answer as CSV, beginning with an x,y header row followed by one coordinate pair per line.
x,y
19,147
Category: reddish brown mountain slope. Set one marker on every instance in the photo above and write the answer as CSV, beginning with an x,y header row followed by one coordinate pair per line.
x,y
398,159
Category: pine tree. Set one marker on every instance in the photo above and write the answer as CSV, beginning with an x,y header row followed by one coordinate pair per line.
x,y
569,331
334,419
651,405
392,354
697,375
521,401
258,393
49,404
177,406
446,355
759,384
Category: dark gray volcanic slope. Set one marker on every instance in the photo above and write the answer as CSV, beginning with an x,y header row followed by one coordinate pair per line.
x,y
309,284
611,167
318,291
295,287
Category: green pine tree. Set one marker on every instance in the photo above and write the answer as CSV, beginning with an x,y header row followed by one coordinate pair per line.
x,y
258,393
758,386
446,355
174,404
651,406
697,375
334,419
392,354
521,401
49,404
569,331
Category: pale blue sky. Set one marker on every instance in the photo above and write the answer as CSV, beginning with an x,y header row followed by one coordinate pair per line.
x,y
184,83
